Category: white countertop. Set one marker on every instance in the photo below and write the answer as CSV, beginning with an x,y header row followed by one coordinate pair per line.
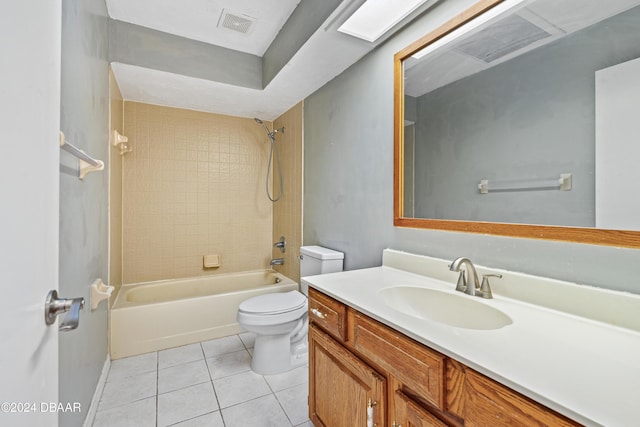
x,y
585,369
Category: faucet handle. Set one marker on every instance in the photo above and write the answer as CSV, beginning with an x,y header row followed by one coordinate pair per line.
x,y
281,244
485,289
462,282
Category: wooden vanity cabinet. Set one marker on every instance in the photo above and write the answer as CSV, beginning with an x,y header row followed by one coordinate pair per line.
x,y
341,386
354,360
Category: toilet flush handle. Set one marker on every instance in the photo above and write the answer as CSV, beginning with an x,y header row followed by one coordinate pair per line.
x,y
318,313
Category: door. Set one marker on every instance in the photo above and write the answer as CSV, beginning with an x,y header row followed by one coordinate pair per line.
x,y
29,179
617,147
343,390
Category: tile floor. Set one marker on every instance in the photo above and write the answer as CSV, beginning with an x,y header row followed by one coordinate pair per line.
x,y
204,384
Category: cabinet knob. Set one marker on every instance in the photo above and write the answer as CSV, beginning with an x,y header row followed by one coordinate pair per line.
x,y
318,313
394,424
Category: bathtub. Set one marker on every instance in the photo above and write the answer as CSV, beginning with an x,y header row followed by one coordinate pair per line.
x,y
153,316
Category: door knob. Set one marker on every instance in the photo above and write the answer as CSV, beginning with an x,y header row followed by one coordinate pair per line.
x,y
53,306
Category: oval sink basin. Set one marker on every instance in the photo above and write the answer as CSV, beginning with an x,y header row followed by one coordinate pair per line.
x,y
461,311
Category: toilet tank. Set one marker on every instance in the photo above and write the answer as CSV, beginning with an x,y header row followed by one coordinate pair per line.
x,y
318,260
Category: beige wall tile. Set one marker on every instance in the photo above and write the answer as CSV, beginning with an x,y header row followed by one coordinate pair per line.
x,y
287,212
194,185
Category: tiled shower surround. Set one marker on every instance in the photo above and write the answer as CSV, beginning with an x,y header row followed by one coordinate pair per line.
x,y
287,212
193,185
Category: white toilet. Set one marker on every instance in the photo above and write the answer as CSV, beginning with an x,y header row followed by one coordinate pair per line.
x,y
280,321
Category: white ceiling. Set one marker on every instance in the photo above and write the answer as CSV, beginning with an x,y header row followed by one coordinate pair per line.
x,y
325,55
198,19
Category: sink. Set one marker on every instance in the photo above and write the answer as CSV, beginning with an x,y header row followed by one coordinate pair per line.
x,y
461,311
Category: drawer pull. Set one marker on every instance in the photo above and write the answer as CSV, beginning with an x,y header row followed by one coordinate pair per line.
x,y
318,313
370,405
395,425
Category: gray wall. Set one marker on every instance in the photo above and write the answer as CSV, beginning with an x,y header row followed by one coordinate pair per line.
x,y
530,117
305,20
135,45
348,199
83,204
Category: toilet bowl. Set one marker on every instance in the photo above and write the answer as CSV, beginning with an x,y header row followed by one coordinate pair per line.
x,y
280,320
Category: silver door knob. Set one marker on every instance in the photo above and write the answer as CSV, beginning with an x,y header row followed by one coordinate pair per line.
x,y
53,306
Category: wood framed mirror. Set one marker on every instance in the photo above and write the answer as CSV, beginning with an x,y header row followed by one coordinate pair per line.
x,y
515,45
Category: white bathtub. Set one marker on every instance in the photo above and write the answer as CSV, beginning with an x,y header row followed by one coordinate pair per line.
x,y
169,313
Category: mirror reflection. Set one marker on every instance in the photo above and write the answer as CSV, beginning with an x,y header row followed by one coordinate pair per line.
x,y
527,115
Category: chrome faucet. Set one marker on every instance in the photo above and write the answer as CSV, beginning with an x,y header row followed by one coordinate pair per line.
x,y
277,261
468,284
281,244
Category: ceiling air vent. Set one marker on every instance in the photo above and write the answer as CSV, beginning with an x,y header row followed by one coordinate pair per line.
x,y
236,21
502,38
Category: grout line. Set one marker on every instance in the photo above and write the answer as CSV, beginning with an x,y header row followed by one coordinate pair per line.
x,y
249,400
189,419
127,403
282,407
212,385
182,388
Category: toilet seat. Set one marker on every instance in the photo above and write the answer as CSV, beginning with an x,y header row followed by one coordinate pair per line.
x,y
274,303
273,309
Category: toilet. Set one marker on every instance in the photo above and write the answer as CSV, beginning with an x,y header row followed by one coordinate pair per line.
x,y
279,319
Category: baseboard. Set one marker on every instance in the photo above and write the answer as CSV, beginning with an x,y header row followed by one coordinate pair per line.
x,y
95,400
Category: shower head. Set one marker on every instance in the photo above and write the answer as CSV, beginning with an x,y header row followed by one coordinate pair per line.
x,y
270,134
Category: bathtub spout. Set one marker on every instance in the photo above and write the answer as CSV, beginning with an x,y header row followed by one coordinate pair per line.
x,y
277,261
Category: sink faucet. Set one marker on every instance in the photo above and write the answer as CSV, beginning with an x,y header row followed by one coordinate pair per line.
x,y
277,261
469,284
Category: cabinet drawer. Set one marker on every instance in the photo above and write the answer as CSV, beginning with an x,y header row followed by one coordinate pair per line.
x,y
329,314
415,366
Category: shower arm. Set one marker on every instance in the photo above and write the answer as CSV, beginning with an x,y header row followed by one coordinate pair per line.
x,y
270,133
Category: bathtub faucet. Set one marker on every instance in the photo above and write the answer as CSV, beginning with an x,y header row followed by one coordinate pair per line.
x,y
281,244
277,261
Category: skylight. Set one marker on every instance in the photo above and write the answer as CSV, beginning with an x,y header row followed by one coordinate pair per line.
x,y
375,17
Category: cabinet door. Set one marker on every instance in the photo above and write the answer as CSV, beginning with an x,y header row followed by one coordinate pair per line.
x,y
487,403
409,414
341,385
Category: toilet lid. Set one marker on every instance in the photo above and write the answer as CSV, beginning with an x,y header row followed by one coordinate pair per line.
x,y
274,303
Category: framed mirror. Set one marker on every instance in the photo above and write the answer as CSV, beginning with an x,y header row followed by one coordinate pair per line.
x,y
521,118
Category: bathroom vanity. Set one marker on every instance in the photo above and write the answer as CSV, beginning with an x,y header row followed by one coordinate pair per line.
x,y
376,357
